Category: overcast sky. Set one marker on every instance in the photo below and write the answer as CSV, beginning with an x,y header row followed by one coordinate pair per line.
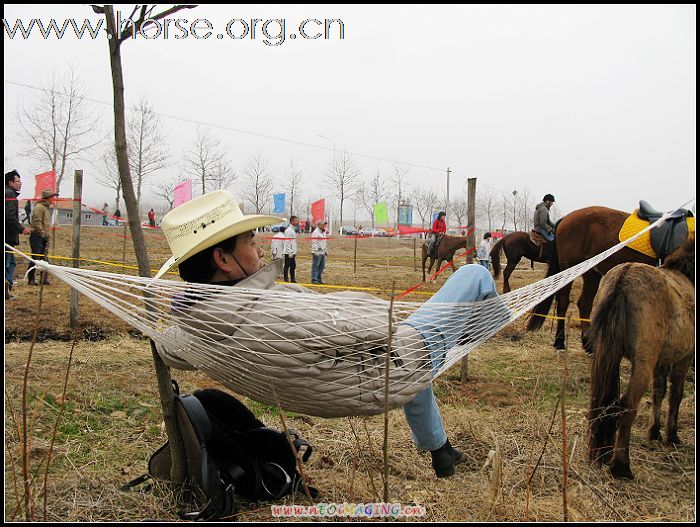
x,y
593,104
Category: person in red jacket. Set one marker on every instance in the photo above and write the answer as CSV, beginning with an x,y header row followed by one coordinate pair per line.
x,y
151,218
438,230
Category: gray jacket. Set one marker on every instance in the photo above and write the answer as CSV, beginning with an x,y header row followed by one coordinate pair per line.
x,y
541,219
316,353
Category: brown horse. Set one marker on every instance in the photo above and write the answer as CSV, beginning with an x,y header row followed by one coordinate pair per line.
x,y
516,245
646,314
445,251
580,235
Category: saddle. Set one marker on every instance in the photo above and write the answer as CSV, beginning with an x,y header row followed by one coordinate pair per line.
x,y
538,239
670,234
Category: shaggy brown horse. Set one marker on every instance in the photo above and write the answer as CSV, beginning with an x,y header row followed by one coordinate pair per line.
x,y
646,314
445,251
580,235
516,245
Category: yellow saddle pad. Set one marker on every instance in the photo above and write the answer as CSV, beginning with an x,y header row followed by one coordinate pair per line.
x,y
634,224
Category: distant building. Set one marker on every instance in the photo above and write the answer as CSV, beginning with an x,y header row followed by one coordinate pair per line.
x,y
65,213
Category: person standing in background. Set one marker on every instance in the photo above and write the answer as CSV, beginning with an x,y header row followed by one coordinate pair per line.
x,y
13,227
290,250
319,251
39,236
483,254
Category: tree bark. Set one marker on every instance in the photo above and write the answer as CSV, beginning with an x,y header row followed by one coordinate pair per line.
x,y
179,466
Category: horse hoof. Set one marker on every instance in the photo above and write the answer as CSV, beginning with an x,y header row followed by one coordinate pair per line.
x,y
654,434
672,439
559,344
620,471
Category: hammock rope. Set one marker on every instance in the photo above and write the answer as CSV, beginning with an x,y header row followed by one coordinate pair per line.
x,y
323,354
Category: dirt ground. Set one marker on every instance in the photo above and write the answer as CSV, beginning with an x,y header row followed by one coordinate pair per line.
x,y
501,418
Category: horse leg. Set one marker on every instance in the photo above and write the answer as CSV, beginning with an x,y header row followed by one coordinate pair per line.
x,y
562,307
591,281
678,373
654,428
510,267
639,382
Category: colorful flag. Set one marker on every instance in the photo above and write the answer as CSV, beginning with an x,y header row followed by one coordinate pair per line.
x,y
44,181
380,213
279,203
318,210
183,193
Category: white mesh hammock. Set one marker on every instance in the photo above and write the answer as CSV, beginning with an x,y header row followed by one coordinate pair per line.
x,y
253,340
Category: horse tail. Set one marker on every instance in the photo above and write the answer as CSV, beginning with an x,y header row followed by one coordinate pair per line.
x,y
607,341
540,310
496,257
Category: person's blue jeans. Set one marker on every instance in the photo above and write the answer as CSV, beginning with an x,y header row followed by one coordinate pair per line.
x,y
548,235
470,283
10,268
485,263
317,265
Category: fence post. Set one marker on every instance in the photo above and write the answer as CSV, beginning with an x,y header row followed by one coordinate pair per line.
x,y
471,242
75,248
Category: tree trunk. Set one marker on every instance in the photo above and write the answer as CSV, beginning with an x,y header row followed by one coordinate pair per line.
x,y
179,467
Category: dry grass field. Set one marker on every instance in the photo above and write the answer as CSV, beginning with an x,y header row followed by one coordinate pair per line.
x,y
502,418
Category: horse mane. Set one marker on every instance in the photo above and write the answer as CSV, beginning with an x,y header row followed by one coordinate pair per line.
x,y
683,259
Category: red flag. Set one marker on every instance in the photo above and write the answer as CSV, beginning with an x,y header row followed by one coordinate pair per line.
x,y
318,210
44,181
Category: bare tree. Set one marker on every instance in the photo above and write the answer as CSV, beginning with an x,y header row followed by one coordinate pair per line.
x,y
372,192
116,38
146,144
458,208
425,201
59,126
206,161
486,208
166,188
342,177
257,186
292,186
107,173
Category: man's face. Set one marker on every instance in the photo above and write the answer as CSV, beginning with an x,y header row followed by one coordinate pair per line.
x,y
248,253
16,184
294,222
322,226
549,204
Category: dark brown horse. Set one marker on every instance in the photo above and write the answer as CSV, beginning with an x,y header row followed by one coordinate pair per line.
x,y
645,314
445,251
516,245
580,235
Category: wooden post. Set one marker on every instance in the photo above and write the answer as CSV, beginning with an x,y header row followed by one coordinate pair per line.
x,y
471,243
415,267
124,249
354,260
75,252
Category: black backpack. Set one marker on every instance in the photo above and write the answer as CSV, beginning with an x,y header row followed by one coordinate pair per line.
x,y
229,453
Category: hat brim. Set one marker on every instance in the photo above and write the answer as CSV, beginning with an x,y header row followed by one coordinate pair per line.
x,y
248,223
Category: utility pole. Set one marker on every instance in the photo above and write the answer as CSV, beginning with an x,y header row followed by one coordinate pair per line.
x,y
447,204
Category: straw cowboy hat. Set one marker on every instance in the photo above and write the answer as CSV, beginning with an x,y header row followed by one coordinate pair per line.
x,y
203,222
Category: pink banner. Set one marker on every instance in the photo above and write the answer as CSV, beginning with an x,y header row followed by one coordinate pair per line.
x,y
44,181
318,210
183,192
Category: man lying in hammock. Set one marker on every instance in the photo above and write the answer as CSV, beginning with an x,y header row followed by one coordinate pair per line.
x,y
321,354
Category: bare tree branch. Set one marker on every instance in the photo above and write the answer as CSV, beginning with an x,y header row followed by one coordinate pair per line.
x,y
257,187
341,179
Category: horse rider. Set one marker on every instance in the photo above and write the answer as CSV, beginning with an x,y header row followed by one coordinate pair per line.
x,y
437,232
541,221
